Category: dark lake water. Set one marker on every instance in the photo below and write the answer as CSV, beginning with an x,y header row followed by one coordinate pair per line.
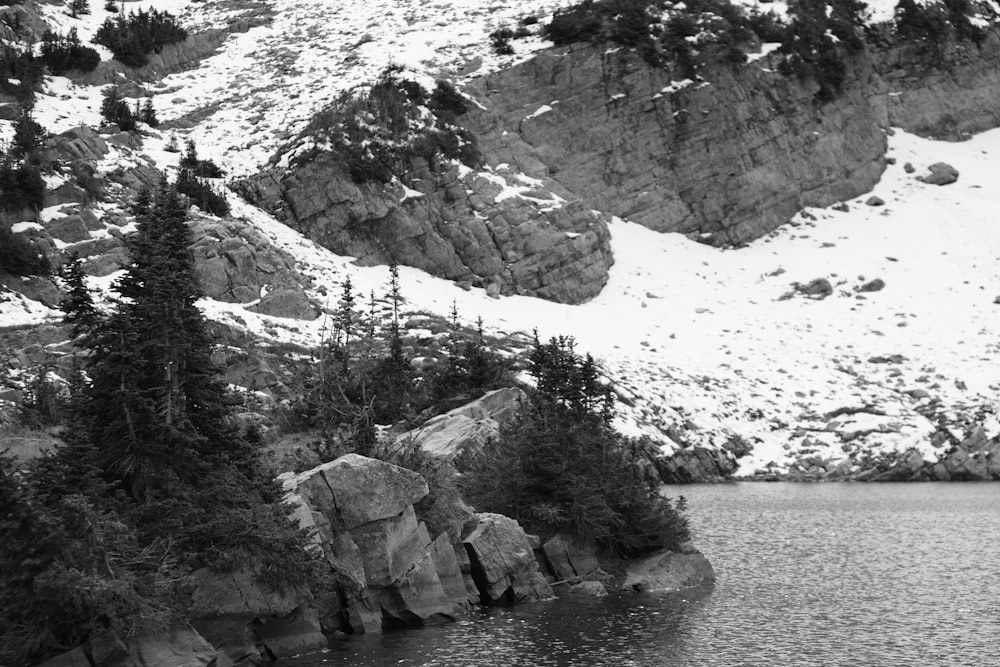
x,y
808,574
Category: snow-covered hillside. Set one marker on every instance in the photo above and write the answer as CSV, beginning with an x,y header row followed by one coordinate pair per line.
x,y
691,332
702,342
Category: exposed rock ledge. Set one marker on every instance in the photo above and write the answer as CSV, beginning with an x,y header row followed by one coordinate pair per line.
x,y
727,160
458,227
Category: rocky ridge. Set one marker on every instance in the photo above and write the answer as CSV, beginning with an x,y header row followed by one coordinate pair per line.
x,y
726,160
466,228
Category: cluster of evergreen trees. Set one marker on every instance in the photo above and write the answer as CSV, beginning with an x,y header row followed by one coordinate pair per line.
x,y
153,478
817,38
935,23
115,109
131,38
20,72
561,466
21,188
62,53
362,376
379,132
191,181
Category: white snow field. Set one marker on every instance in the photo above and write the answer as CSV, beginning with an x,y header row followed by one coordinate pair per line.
x,y
693,336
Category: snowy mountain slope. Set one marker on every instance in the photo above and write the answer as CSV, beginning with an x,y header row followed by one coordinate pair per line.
x,y
690,332
700,341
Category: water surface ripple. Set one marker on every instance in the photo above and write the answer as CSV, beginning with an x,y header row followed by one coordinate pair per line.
x,y
809,574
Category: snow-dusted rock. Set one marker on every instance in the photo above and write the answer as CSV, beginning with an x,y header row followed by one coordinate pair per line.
x,y
470,425
874,285
466,228
941,174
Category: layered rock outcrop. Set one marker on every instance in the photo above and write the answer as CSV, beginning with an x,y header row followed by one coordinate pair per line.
x,y
945,92
237,265
726,159
729,158
389,571
474,228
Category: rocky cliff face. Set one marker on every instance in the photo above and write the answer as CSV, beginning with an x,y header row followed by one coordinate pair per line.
x,y
730,158
948,94
475,229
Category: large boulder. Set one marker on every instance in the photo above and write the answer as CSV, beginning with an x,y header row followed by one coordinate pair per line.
x,y
669,570
390,547
568,558
183,646
360,513
235,263
229,609
502,561
470,425
78,657
417,596
695,464
941,173
298,632
354,490
289,302
79,143
456,588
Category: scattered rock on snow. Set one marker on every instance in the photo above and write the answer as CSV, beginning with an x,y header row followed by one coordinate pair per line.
x,y
890,359
875,201
909,168
819,288
872,285
941,174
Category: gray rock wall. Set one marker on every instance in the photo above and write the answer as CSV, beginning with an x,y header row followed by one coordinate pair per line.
x,y
732,157
455,227
947,94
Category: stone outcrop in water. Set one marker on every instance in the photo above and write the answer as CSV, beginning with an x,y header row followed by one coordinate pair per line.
x,y
388,569
502,563
182,646
667,570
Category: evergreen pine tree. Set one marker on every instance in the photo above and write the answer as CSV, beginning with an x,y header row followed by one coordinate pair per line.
x,y
148,113
77,7
393,377
78,305
155,400
115,109
27,135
